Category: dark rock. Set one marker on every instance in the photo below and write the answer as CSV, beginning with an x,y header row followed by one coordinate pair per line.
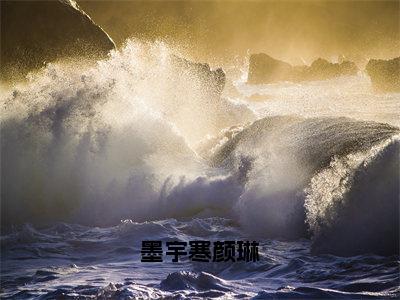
x,y
213,81
322,69
265,69
36,32
385,74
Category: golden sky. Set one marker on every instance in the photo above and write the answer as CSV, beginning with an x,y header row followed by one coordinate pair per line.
x,y
295,31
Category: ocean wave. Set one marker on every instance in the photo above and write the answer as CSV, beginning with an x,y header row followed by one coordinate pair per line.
x,y
104,262
136,137
304,174
109,139
352,206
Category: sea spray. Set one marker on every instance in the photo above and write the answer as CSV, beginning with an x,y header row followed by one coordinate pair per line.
x,y
104,139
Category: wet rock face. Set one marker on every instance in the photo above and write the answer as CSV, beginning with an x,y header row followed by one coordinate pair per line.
x,y
35,32
265,69
384,74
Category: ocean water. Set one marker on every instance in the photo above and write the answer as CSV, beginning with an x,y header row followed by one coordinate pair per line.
x,y
97,158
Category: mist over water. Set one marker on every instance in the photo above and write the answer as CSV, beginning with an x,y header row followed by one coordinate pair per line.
x,y
137,137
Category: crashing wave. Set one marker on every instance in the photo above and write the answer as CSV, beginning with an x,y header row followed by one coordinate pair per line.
x,y
121,140
319,176
111,139
352,206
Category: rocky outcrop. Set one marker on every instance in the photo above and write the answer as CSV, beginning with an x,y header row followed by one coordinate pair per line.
x,y
265,69
36,32
322,69
213,81
384,74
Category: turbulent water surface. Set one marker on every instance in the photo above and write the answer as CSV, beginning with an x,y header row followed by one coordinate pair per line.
x,y
98,158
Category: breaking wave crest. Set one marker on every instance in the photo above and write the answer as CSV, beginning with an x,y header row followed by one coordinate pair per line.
x,y
352,206
335,179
